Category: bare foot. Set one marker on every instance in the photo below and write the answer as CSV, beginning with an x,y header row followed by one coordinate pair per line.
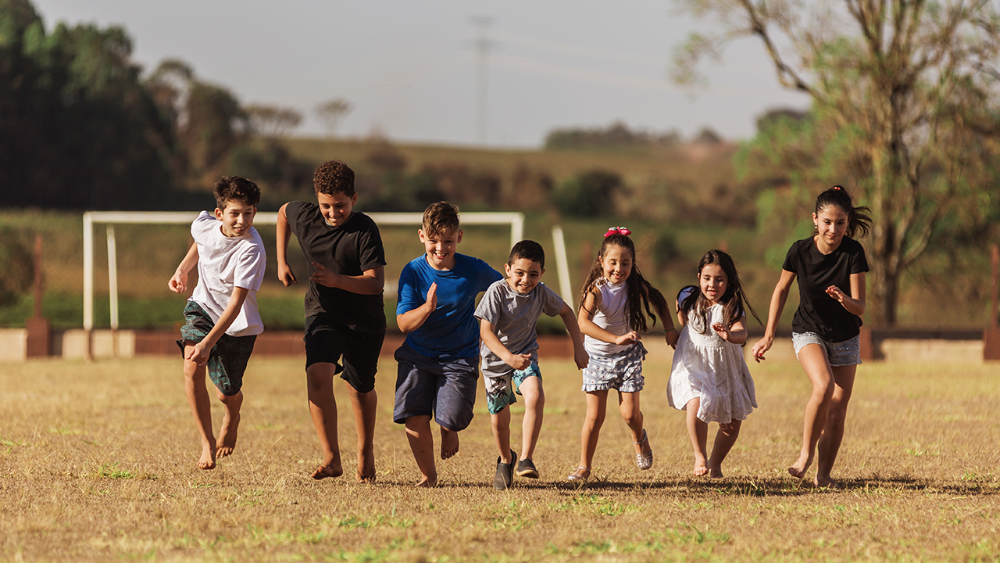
x,y
715,472
330,470
227,436
825,482
799,468
427,483
366,469
207,460
700,466
449,443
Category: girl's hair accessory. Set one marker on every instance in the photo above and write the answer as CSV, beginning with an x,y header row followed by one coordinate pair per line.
x,y
838,188
617,231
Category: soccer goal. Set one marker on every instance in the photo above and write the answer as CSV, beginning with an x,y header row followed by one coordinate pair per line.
x,y
110,218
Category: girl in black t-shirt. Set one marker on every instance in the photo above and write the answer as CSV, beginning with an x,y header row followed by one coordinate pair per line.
x,y
827,323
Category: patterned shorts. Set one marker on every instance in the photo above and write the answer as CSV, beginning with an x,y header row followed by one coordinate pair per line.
x,y
500,390
846,353
228,359
621,371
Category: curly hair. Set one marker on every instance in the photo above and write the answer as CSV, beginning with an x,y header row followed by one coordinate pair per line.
x,y
440,217
229,188
333,177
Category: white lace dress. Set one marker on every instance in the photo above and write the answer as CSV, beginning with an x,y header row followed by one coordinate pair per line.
x,y
712,369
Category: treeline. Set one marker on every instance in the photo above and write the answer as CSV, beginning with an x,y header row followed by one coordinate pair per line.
x,y
618,135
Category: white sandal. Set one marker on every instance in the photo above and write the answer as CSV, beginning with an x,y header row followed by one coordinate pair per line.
x,y
643,461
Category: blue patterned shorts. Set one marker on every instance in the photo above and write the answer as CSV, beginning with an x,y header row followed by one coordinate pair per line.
x,y
500,390
621,371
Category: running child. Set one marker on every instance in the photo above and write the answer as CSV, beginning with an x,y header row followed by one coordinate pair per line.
x,y
345,318
508,313
437,363
611,318
221,315
830,266
710,379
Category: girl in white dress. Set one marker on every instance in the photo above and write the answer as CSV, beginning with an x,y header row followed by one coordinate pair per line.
x,y
710,379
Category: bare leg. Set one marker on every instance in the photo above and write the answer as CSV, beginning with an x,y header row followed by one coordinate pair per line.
x,y
597,404
725,438
365,406
501,433
323,410
418,433
628,404
201,408
230,423
817,367
449,443
698,431
534,405
833,434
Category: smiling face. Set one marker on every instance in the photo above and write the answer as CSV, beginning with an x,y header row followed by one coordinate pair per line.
x,y
831,224
523,275
616,263
336,207
440,247
713,282
237,218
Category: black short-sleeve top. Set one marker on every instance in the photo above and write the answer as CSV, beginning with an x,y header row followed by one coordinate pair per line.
x,y
818,312
349,249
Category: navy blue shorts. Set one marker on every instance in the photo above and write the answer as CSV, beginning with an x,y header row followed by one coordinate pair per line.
x,y
445,388
328,340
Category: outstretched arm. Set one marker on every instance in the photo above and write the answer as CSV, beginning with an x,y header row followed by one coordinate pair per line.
x,y
573,327
778,299
200,352
178,282
488,333
666,316
282,235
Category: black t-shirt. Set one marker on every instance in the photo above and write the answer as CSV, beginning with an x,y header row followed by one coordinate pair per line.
x,y
818,312
350,249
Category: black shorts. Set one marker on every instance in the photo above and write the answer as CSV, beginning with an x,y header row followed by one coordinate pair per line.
x,y
327,341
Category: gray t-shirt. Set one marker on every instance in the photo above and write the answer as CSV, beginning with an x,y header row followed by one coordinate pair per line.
x,y
514,316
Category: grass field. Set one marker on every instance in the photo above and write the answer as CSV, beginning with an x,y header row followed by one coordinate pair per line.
x,y
97,463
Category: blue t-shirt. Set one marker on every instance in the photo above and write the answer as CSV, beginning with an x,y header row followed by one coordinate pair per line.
x,y
451,331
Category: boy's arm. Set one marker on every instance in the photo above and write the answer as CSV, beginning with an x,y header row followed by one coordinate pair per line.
x,y
282,235
587,325
370,282
573,327
488,333
415,318
178,282
200,352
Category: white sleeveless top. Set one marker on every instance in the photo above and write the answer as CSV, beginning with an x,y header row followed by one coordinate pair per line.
x,y
610,316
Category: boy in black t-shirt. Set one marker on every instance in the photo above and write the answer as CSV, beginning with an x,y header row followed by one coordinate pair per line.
x,y
345,316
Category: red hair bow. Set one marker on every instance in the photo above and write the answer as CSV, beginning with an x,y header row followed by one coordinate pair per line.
x,y
617,231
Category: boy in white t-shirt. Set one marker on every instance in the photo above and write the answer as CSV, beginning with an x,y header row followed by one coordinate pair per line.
x,y
221,314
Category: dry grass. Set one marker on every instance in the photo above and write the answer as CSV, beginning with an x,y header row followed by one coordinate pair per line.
x,y
97,463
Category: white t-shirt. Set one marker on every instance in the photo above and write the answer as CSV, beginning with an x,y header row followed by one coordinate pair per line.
x,y
224,263
610,316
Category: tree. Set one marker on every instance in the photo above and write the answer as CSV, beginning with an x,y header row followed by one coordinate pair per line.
x,y
272,122
912,82
331,112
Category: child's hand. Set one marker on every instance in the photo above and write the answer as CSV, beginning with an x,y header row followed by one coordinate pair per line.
x,y
323,276
432,298
721,330
178,282
834,291
671,337
285,274
519,361
758,350
630,337
198,353
582,358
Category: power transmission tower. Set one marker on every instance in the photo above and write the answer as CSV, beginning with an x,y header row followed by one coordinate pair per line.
x,y
483,46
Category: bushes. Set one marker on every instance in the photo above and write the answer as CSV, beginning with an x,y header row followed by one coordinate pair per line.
x,y
590,194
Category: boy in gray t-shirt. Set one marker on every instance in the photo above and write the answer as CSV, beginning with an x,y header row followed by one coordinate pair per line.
x,y
508,313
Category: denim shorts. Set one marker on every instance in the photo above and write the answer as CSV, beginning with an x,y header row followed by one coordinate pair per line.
x,y
442,387
846,353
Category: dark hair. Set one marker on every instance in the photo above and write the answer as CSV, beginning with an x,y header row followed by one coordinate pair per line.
x,y
640,292
230,188
439,217
859,219
529,250
733,300
332,177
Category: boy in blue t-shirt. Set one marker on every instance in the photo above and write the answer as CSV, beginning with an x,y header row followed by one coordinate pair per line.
x,y
437,364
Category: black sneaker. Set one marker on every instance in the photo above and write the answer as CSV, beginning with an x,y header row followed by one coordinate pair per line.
x,y
505,473
527,469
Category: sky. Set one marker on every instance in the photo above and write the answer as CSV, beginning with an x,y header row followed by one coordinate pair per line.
x,y
410,68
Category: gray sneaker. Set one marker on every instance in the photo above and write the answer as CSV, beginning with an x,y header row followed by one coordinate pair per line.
x,y
526,468
505,473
